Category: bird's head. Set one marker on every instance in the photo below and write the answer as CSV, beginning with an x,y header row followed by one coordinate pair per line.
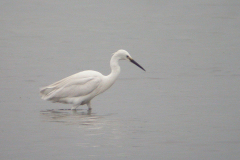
x,y
124,55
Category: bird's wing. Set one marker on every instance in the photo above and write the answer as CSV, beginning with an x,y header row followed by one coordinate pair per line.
x,y
76,77
73,86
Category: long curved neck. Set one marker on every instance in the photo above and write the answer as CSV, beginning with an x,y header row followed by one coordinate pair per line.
x,y
111,78
115,68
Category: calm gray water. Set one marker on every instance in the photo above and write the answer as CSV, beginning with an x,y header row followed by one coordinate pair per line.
x,y
186,106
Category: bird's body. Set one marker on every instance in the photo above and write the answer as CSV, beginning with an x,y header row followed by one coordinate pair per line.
x,y
82,87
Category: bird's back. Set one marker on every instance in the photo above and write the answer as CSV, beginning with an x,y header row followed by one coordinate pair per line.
x,y
75,86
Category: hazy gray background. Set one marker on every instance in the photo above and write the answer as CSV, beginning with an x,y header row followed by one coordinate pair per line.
x,y
186,106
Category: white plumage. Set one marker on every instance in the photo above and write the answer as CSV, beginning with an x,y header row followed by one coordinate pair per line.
x,y
82,87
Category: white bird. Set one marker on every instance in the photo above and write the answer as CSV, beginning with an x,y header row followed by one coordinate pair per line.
x,y
82,87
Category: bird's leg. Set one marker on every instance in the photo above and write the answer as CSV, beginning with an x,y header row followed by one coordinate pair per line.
x,y
74,107
89,112
89,106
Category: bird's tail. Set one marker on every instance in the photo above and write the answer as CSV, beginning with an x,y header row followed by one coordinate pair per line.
x,y
46,92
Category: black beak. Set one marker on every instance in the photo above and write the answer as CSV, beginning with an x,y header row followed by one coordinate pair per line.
x,y
134,62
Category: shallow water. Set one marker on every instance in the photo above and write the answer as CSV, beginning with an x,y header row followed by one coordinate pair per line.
x,y
186,106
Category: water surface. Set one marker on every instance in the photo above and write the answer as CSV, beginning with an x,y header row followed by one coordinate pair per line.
x,y
186,106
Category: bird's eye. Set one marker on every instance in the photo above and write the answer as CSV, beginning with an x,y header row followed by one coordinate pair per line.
x,y
127,56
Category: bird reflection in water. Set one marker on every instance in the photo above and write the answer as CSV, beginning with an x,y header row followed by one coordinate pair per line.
x,y
89,125
71,117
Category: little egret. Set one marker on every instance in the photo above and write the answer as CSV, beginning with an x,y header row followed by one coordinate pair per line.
x,y
82,87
